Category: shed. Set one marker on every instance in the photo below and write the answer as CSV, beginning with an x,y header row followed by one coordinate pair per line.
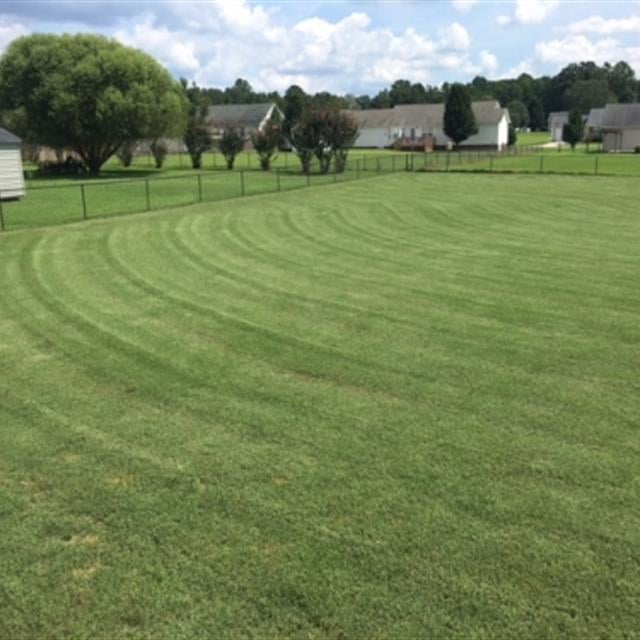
x,y
11,174
556,122
620,126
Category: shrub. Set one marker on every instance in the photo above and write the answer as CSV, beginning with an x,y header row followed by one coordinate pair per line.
x,y
266,143
637,149
231,144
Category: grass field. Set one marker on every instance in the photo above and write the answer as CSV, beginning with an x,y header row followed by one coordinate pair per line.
x,y
394,408
533,137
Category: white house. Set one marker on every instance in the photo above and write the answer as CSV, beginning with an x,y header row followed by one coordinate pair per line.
x,y
620,126
247,118
424,124
11,173
556,122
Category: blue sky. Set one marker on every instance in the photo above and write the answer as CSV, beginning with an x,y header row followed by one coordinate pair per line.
x,y
356,47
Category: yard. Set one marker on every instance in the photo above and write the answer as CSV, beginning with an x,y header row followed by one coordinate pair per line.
x,y
394,408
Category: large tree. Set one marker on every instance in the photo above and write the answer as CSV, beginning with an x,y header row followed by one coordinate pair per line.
x,y
518,113
459,121
87,93
294,103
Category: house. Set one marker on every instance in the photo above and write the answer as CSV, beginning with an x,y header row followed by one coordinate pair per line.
x,y
423,125
620,126
556,122
11,173
247,118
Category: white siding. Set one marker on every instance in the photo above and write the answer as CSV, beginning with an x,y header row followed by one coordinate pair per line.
x,y
556,134
11,176
624,140
376,138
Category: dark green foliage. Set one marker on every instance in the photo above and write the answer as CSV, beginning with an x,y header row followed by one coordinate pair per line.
x,y
294,103
197,136
573,131
230,145
86,93
537,119
513,135
326,134
266,142
585,95
519,114
459,121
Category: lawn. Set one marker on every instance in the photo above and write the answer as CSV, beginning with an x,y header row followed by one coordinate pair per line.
x,y
394,408
533,137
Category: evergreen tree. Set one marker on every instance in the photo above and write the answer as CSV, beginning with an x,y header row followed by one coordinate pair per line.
x,y
573,131
459,121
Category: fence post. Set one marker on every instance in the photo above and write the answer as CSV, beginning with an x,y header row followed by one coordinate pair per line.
x,y
278,177
1,213
596,167
84,201
147,195
241,182
199,187
541,164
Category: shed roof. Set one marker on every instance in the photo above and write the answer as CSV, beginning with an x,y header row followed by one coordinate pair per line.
x,y
423,116
621,116
241,115
6,137
594,121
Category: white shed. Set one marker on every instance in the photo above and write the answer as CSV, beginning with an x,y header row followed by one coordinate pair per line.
x,y
11,174
620,125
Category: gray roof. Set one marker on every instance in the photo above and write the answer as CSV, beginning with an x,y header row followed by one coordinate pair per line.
x,y
558,119
621,116
594,121
6,137
239,115
423,116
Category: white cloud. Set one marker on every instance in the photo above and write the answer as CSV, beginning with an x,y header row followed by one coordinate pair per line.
x,y
178,53
504,21
455,36
463,5
488,61
578,47
534,11
600,25
10,31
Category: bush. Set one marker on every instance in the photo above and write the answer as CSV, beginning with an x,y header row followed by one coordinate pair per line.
x,y
69,167
637,149
231,144
266,142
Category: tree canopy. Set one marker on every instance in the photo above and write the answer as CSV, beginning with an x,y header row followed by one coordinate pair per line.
x,y
86,93
573,131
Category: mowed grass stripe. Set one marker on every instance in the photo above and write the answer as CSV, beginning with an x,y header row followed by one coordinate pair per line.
x,y
273,420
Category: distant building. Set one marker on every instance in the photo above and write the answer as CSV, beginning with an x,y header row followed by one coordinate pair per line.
x,y
556,122
423,125
11,172
593,126
620,126
246,118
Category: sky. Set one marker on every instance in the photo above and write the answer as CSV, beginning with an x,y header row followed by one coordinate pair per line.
x,y
346,47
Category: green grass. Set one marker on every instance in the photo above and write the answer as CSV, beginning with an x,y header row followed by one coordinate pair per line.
x,y
395,408
534,137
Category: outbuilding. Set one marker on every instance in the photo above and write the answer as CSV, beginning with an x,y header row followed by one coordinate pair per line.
x,y
620,126
11,174
556,122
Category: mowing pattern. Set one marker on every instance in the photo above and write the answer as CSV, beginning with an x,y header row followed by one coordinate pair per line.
x,y
396,409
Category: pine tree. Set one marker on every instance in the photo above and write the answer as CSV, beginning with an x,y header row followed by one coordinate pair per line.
x,y
459,121
573,131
